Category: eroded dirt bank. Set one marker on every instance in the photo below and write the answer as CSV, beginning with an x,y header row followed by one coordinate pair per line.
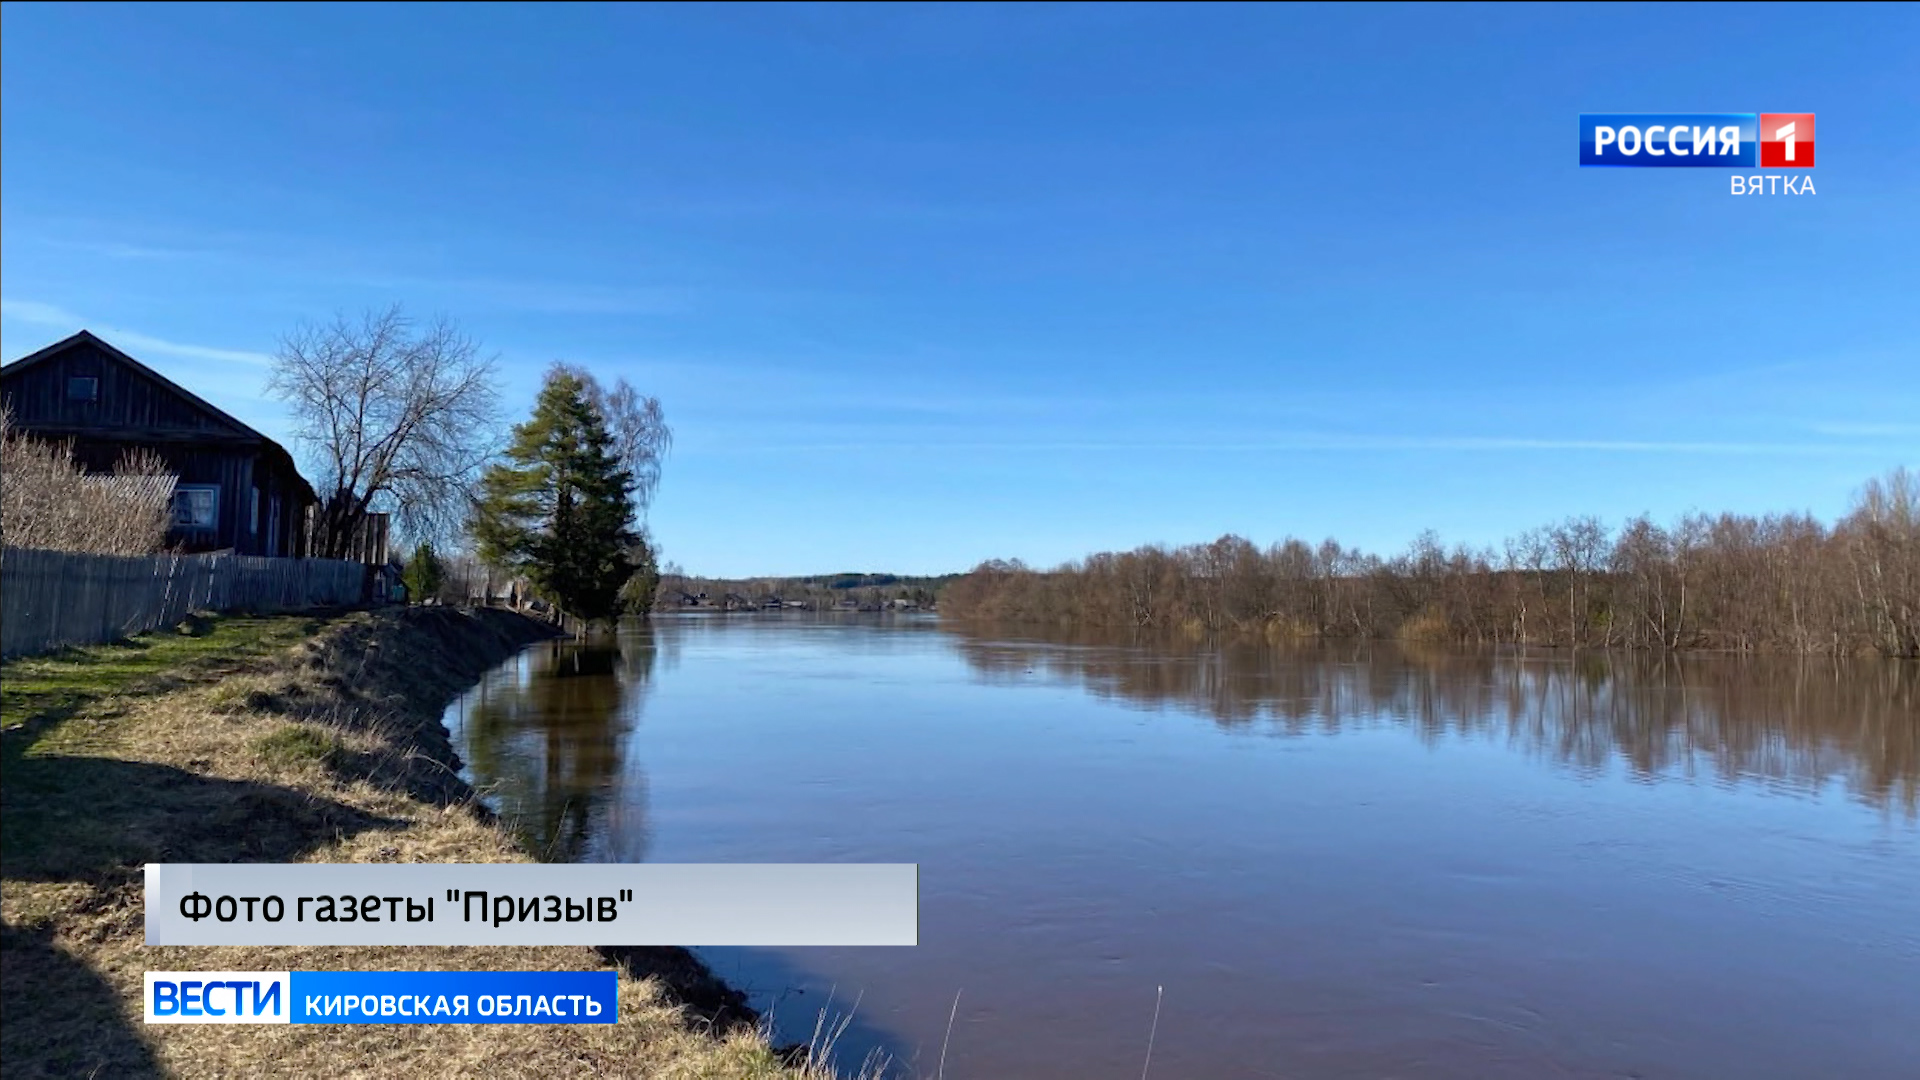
x,y
284,738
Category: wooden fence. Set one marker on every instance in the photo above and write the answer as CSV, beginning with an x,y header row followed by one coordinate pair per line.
x,y
49,599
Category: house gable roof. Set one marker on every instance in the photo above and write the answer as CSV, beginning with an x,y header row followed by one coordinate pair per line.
x,y
240,430
88,337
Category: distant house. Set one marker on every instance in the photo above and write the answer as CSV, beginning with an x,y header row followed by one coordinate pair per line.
x,y
237,489
505,591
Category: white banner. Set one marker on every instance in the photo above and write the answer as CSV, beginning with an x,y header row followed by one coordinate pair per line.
x,y
689,904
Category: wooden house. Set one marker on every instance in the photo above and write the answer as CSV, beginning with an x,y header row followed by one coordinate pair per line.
x,y
237,489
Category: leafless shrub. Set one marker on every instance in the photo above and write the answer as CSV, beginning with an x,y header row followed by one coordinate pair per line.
x,y
47,500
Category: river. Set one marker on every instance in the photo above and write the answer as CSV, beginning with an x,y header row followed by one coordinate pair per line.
x,y
1309,860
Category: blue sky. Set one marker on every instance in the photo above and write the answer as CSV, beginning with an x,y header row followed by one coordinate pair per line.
x,y
919,286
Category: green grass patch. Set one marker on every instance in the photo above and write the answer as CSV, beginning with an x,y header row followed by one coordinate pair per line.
x,y
41,691
296,744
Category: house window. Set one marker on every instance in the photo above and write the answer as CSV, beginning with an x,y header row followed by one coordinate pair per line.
x,y
83,388
196,506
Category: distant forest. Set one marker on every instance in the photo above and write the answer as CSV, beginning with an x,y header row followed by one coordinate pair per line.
x,y
1782,582
819,591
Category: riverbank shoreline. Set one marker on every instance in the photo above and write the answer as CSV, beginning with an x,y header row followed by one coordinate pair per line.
x,y
312,738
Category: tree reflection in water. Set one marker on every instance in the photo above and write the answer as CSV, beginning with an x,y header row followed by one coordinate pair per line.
x,y
545,742
1786,719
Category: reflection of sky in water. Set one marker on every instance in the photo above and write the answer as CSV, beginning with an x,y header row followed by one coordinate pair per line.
x,y
1340,860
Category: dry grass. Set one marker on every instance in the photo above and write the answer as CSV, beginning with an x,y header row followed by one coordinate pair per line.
x,y
1285,628
50,502
1430,624
330,751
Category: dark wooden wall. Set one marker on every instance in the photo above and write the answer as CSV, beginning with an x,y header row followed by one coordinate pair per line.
x,y
131,409
129,400
237,471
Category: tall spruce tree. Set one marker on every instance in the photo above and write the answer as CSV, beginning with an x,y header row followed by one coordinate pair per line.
x,y
559,509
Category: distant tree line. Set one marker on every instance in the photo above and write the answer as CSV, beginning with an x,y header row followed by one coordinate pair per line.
x,y
1781,582
819,591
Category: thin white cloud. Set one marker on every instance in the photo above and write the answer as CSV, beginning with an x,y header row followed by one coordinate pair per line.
x,y
555,298
134,340
791,206
115,249
35,313
328,261
1411,444
1852,430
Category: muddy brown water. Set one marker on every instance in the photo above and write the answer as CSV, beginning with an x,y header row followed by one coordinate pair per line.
x,y
1341,860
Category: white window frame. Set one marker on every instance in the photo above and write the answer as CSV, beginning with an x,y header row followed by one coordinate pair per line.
x,y
212,492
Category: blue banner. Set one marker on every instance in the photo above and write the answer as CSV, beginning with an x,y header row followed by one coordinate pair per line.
x,y
1670,140
455,997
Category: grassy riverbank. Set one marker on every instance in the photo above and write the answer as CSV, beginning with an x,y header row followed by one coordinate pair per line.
x,y
287,738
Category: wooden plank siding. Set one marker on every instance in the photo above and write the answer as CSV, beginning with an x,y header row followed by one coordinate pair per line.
x,y
52,599
136,402
262,505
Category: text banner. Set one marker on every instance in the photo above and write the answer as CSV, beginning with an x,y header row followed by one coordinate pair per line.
x,y
382,997
749,904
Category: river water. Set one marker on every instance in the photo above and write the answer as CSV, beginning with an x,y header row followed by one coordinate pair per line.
x,y
1341,860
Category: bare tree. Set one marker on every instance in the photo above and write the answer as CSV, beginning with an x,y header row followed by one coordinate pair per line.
x,y
395,418
1883,545
641,437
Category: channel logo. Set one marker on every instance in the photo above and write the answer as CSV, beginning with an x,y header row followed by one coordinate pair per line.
x,y
219,997
382,997
1697,140
1786,140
